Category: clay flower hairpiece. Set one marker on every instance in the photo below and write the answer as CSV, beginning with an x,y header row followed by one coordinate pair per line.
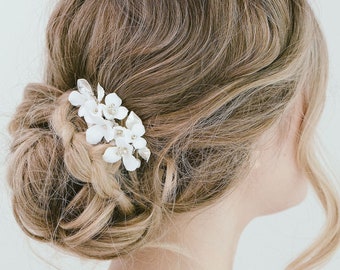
x,y
101,118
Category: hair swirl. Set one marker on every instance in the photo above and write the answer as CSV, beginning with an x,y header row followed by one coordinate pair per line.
x,y
62,173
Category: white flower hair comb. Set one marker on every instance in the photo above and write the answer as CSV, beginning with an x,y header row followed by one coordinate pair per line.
x,y
101,120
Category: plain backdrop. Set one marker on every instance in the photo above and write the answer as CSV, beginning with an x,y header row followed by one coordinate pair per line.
x,y
268,243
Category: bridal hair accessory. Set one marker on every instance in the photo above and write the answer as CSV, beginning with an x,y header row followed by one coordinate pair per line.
x,y
101,119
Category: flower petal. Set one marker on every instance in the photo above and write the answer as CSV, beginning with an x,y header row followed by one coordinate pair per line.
x,y
91,106
138,129
95,134
132,120
84,87
101,107
144,153
110,134
94,119
92,113
111,156
122,142
113,99
130,162
82,111
122,132
139,143
100,92
121,113
107,114
76,99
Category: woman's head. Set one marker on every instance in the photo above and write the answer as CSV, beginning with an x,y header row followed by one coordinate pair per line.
x,y
207,78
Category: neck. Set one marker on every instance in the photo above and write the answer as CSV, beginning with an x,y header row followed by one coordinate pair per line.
x,y
210,236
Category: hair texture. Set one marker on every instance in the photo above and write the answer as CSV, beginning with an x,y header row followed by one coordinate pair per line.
x,y
207,78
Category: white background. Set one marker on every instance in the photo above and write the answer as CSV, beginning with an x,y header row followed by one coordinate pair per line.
x,y
268,243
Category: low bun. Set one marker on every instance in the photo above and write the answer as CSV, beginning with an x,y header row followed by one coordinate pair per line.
x,y
63,190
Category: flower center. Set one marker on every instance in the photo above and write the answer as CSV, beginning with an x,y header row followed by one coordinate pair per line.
x,y
119,132
122,151
111,109
134,137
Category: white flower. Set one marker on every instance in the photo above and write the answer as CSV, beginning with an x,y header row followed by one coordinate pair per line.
x,y
96,133
84,95
80,97
122,132
144,153
112,109
92,112
135,125
122,150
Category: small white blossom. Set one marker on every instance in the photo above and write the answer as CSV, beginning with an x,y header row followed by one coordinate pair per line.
x,y
122,150
92,113
96,133
122,132
136,127
112,109
83,95
85,99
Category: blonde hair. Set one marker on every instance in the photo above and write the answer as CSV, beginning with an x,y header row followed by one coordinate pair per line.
x,y
206,77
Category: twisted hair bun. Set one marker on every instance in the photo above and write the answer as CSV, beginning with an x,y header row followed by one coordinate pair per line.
x,y
67,193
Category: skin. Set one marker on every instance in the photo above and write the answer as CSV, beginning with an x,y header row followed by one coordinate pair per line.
x,y
211,235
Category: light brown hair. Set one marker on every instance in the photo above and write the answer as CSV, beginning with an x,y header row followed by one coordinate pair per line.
x,y
206,77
